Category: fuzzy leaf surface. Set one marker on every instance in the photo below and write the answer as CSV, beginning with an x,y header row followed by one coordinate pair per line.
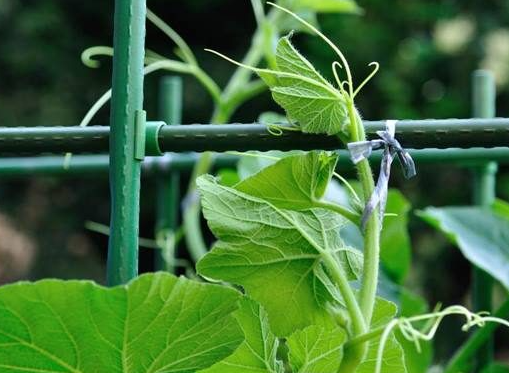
x,y
157,323
271,252
307,97
257,354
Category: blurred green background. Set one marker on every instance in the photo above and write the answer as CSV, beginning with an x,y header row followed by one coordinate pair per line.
x,y
426,50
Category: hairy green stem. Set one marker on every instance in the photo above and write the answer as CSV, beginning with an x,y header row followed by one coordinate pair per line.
x,y
464,355
372,232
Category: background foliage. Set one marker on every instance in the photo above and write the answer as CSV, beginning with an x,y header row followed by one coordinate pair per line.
x,y
427,50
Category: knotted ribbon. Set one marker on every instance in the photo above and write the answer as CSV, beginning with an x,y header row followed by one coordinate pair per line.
x,y
362,150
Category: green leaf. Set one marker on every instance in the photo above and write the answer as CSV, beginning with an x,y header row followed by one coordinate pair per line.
x,y
316,349
305,95
294,182
330,6
257,354
393,356
481,235
157,323
395,246
268,251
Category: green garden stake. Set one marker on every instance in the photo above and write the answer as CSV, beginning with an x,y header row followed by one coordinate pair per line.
x,y
126,103
484,181
168,183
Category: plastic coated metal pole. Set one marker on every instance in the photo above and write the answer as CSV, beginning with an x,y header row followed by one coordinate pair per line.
x,y
484,180
168,183
84,165
418,134
126,108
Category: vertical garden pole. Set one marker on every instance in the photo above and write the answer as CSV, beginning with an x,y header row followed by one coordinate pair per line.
x,y
168,184
126,121
483,106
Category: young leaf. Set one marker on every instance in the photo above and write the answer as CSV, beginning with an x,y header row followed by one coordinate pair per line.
x,y
393,356
481,235
294,182
257,354
269,251
316,349
157,323
305,95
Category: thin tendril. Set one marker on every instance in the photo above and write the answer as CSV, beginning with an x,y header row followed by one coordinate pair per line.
x,y
165,64
415,335
324,38
368,78
87,56
174,36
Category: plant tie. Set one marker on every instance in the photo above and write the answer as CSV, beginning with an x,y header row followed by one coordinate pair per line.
x,y
360,150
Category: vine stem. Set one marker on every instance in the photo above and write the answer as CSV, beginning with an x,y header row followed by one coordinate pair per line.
x,y
372,232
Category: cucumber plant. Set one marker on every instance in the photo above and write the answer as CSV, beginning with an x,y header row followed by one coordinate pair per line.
x,y
294,293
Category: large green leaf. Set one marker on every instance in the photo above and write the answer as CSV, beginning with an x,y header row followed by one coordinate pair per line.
x,y
157,323
481,235
257,354
271,252
306,96
294,182
316,349
393,357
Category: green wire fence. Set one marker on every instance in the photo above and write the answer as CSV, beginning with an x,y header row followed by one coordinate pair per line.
x,y
135,145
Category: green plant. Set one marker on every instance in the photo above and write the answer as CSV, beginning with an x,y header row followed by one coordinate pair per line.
x,y
304,295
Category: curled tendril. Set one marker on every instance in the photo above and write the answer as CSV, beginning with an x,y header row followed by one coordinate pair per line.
x,y
278,129
376,66
88,56
415,335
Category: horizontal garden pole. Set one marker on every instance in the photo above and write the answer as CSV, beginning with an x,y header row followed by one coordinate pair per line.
x,y
418,134
97,164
